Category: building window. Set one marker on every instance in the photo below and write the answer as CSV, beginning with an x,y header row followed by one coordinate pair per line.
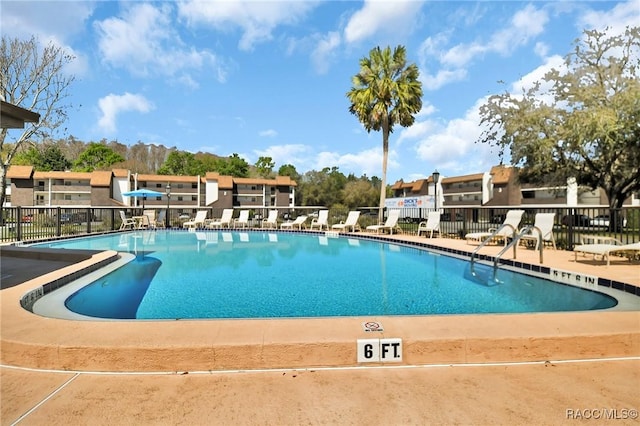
x,y
158,185
180,186
194,198
180,198
67,197
194,186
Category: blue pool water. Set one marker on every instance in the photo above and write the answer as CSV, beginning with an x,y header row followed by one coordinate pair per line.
x,y
227,274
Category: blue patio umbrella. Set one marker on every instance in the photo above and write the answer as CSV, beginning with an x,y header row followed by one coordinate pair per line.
x,y
144,193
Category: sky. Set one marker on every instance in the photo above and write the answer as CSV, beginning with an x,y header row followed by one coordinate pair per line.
x,y
269,78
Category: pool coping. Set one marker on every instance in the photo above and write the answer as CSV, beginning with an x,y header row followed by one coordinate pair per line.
x,y
29,340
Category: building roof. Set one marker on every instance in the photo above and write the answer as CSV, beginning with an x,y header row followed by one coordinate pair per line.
x,y
414,186
502,174
120,173
101,178
20,172
166,178
62,175
14,117
465,178
278,181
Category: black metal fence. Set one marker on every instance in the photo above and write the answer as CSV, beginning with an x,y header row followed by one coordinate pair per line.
x,y
572,225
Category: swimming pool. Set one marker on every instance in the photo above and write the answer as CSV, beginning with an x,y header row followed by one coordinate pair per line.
x,y
230,274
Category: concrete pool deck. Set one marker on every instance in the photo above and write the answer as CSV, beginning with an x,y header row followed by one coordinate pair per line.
x,y
466,365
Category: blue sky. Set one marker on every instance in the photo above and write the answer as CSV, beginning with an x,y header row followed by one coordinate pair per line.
x,y
268,78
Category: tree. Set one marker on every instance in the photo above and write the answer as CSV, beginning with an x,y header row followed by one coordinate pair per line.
x,y
322,188
265,166
96,157
33,79
289,170
584,126
180,163
234,165
46,158
385,92
359,193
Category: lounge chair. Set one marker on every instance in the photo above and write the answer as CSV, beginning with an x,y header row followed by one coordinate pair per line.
x,y
149,220
160,221
431,225
271,221
198,221
299,223
506,230
243,220
542,230
605,250
127,222
322,221
350,224
390,224
225,220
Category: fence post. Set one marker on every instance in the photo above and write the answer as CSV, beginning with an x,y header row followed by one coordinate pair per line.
x,y
58,221
18,223
89,218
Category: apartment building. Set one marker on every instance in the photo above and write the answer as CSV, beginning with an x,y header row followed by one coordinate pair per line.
x,y
26,187
501,187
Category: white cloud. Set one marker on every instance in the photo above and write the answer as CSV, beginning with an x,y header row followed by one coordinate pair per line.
x,y
25,19
622,15
525,24
367,162
441,78
256,19
270,133
452,146
324,51
112,105
296,154
528,81
541,49
142,40
381,16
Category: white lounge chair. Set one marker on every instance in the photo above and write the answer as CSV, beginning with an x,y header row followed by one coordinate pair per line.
x,y
605,250
149,220
272,220
299,223
542,227
198,221
160,221
322,221
127,222
390,224
431,225
243,220
351,224
506,230
225,220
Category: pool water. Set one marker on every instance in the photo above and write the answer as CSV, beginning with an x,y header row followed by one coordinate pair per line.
x,y
229,274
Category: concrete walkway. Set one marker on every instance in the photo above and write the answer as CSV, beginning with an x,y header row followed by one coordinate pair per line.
x,y
600,389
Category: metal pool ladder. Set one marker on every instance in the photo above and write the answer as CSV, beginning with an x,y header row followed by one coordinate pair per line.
x,y
513,243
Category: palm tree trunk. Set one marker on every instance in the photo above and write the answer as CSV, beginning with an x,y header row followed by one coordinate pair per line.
x,y
385,156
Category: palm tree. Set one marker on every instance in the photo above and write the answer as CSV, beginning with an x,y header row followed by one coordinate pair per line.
x,y
385,92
